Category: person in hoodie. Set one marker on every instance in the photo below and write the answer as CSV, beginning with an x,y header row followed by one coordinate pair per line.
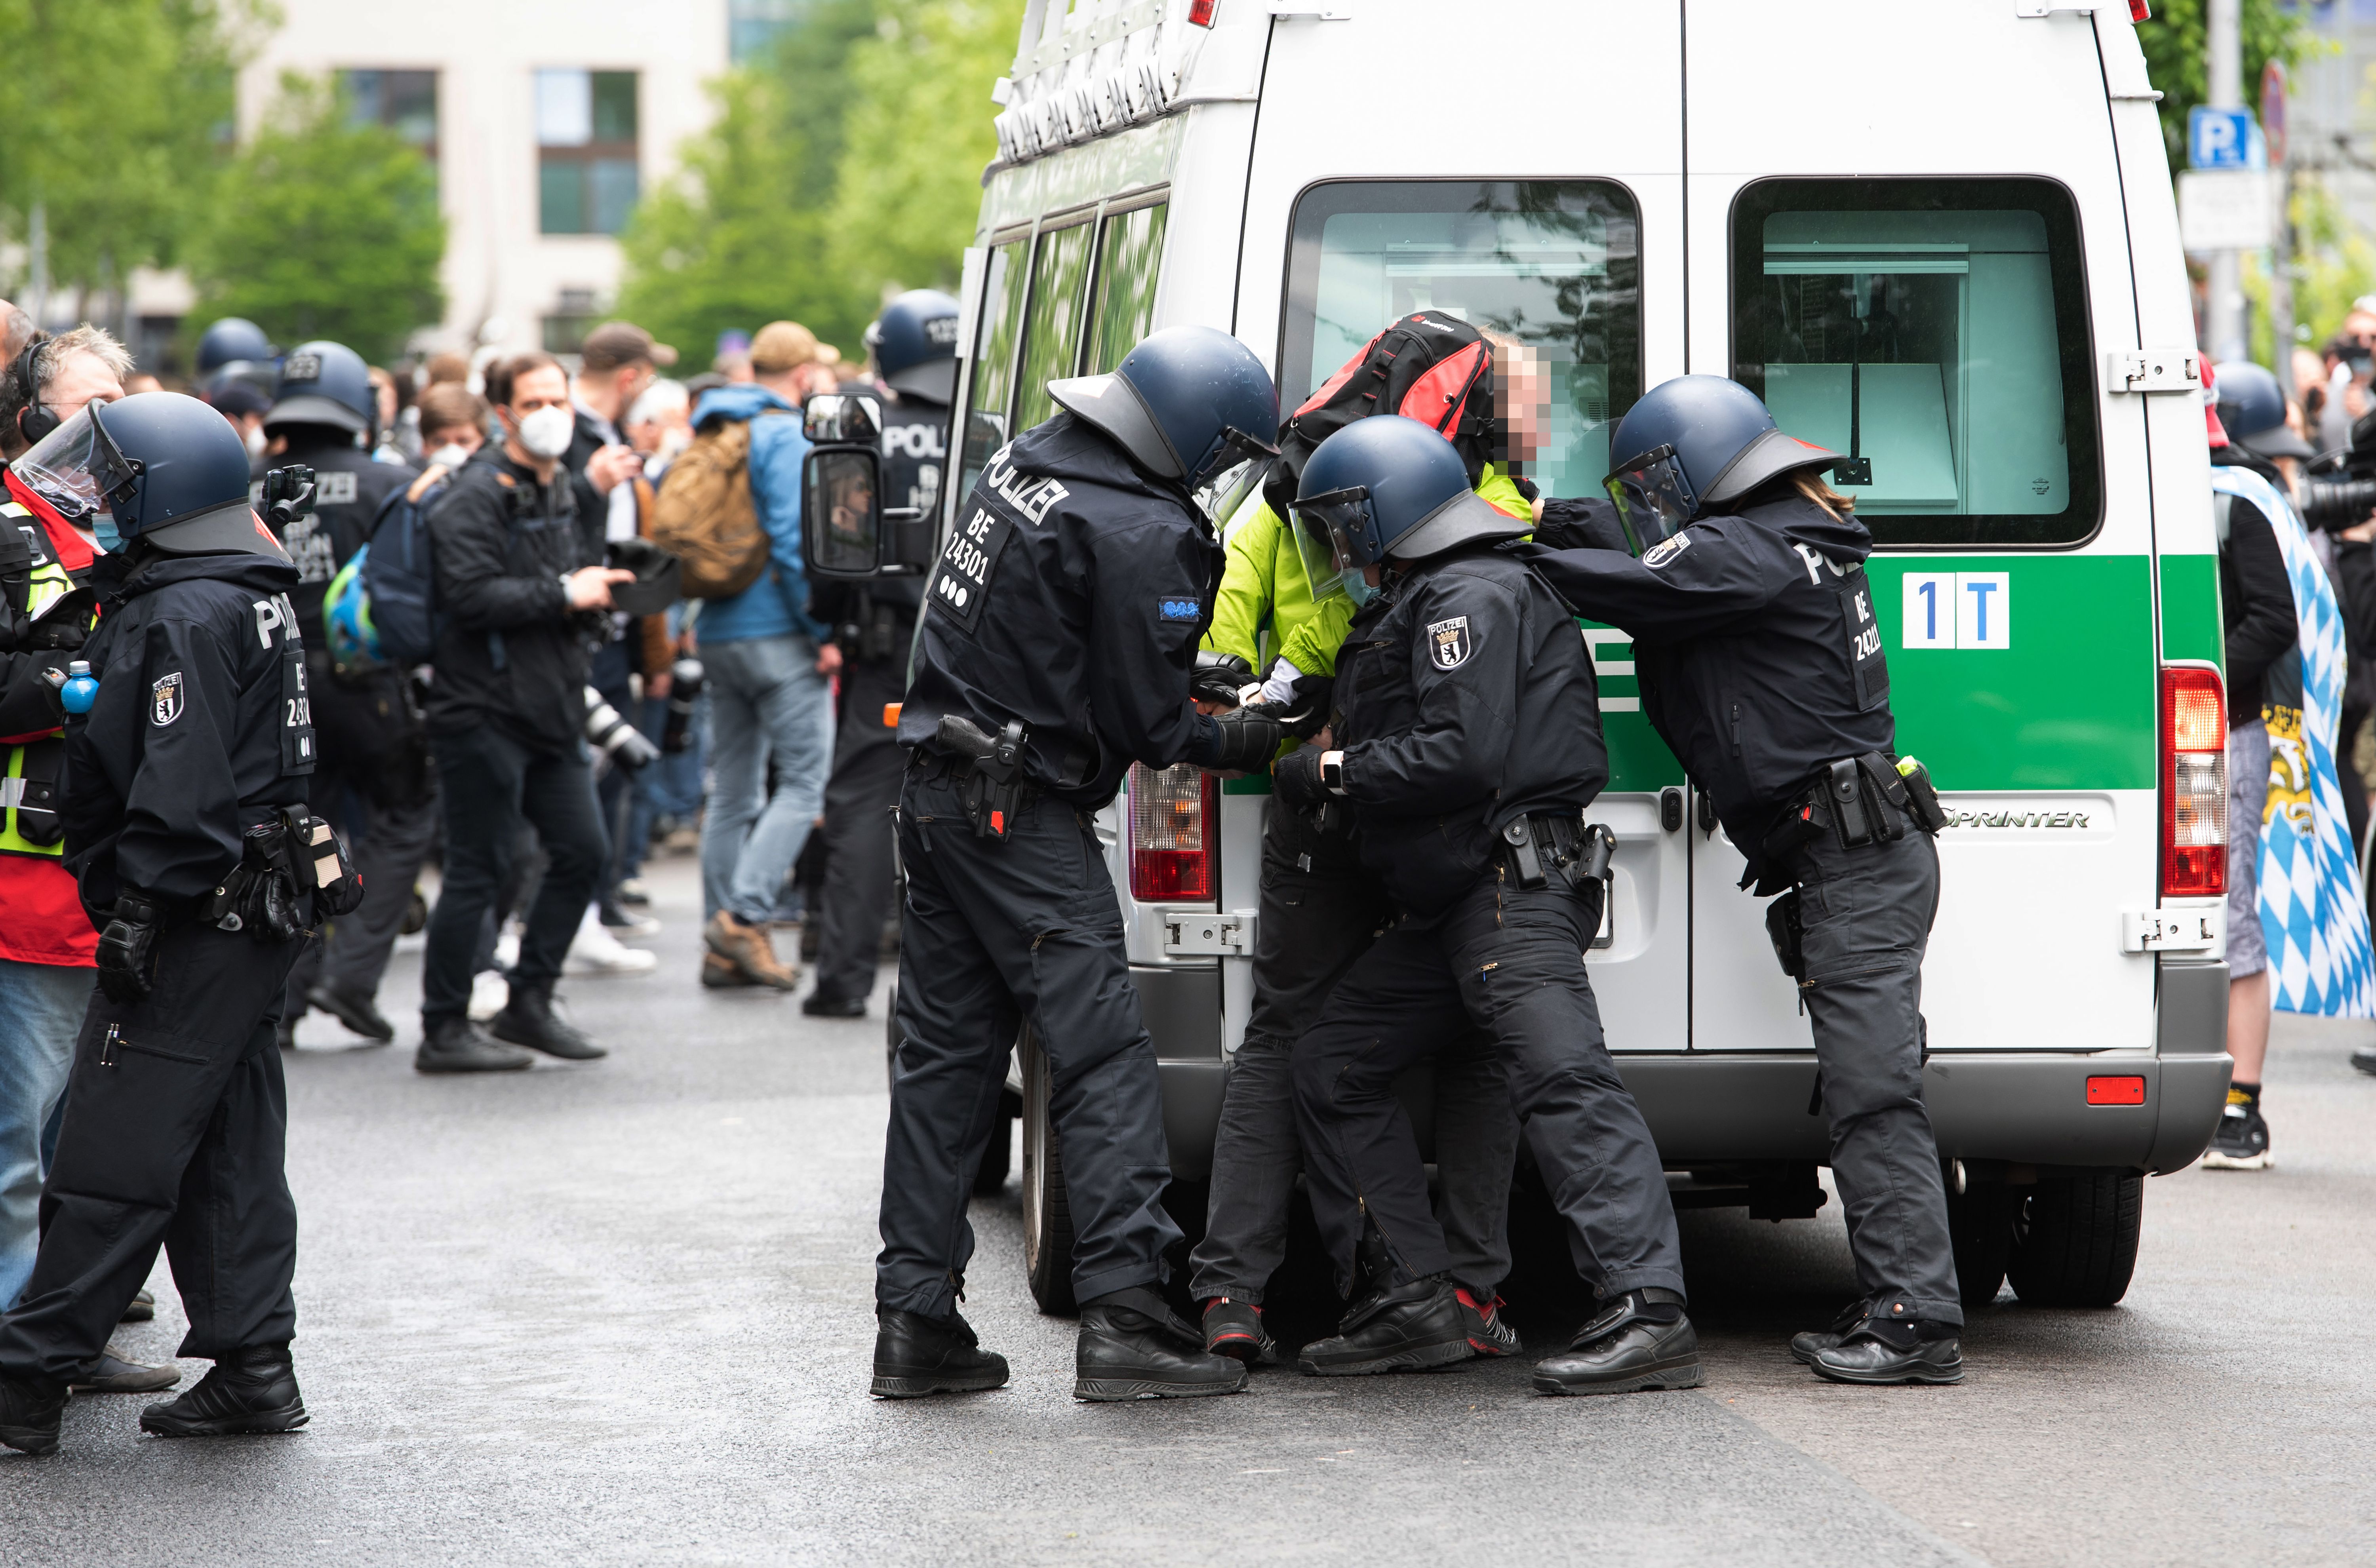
x,y
1063,614
1743,587
196,737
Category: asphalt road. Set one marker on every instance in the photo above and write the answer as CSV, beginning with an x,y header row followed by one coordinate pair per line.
x,y
621,1312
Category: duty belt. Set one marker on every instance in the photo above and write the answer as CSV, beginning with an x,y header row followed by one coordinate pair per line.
x,y
1859,801
989,770
1542,844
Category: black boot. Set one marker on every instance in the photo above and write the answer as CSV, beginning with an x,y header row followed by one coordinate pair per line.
x,y
1879,1352
529,1019
1640,1340
1805,1347
1133,1347
915,1355
358,1012
143,1307
254,1390
29,1414
455,1045
1235,1329
1408,1327
824,1003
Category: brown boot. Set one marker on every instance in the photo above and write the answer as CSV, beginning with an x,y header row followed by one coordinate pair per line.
x,y
749,950
721,974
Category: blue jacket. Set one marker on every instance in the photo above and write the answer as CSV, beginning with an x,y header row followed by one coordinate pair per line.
x,y
778,604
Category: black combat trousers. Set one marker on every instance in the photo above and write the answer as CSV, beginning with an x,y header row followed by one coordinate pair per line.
x,y
1320,910
175,1130
864,786
1508,961
996,934
1867,914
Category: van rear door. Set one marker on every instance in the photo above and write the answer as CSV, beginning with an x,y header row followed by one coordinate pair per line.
x,y
1916,271
1551,222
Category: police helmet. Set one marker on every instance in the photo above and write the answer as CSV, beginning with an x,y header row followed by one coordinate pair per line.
x,y
915,344
325,383
1186,404
1691,446
2252,409
170,468
1387,485
232,338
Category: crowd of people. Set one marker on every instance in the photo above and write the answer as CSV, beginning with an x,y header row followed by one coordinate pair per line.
x,y
500,764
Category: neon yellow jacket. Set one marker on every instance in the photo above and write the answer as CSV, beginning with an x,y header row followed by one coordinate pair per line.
x,y
1263,590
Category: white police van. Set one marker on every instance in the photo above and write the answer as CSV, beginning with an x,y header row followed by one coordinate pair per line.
x,y
1966,274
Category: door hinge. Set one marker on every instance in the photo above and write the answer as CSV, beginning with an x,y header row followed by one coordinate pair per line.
x,y
2173,931
1192,933
2155,370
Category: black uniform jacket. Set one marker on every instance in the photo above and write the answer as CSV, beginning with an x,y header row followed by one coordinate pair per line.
x,y
2256,594
1072,594
201,729
1467,700
509,652
1757,647
348,487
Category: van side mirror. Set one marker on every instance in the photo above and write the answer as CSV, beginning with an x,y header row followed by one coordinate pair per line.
x,y
841,512
842,418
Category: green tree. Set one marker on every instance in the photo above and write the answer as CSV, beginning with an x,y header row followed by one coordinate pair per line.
x,y
919,132
118,114
738,237
2175,41
324,228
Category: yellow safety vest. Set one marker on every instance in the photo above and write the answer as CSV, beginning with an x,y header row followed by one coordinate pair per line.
x,y
28,784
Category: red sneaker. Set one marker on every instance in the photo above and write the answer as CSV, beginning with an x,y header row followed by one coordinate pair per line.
x,y
1489,1333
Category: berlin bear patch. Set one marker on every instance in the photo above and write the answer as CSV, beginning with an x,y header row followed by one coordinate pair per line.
x,y
1448,643
165,699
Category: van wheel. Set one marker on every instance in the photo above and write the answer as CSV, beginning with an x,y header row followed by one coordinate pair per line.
x,y
1980,1224
1047,1213
2075,1240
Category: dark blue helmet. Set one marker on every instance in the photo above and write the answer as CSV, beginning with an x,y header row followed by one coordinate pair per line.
x,y
231,339
323,383
1691,446
2252,409
1186,404
915,344
170,470
1387,485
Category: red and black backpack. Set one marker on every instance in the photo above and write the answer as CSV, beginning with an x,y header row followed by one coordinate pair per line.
x,y
1428,366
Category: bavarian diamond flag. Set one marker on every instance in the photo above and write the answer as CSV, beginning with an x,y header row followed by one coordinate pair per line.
x,y
2313,915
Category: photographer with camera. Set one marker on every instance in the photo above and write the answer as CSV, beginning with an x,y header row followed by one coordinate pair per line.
x,y
507,718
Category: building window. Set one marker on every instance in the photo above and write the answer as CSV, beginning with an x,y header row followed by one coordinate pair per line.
x,y
404,102
572,316
752,27
586,150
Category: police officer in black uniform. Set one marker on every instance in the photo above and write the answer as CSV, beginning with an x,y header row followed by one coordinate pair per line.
x,y
915,347
1761,667
1467,741
186,827
374,744
1061,627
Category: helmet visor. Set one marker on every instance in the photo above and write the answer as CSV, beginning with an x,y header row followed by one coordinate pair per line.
x,y
1231,448
1653,501
77,467
1336,536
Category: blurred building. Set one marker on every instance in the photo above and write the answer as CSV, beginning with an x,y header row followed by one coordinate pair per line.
x,y
546,120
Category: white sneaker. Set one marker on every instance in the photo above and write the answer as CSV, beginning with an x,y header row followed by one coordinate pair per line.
x,y
597,952
489,993
508,948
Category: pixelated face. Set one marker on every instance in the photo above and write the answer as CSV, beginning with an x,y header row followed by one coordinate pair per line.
x,y
1522,402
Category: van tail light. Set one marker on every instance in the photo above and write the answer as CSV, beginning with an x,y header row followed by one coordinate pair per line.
x,y
2193,784
2139,10
1200,12
1175,834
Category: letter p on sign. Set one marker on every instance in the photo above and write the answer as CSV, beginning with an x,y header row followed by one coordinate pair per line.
x,y
1958,609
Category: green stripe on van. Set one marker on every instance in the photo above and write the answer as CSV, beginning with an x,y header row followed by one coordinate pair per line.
x,y
2191,622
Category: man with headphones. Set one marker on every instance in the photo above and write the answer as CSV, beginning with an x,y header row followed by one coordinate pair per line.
x,y
54,379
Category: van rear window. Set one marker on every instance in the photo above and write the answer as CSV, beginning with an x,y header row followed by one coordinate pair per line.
x,y
1936,331
1550,269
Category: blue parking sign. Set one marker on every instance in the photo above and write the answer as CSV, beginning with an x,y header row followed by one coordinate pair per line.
x,y
2218,138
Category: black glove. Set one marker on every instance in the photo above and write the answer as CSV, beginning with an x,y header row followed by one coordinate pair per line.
x,y
1305,712
1295,777
1219,677
1242,740
127,948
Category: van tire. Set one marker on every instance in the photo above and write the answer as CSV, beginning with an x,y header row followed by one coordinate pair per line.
x,y
2077,1240
1981,1227
1047,1211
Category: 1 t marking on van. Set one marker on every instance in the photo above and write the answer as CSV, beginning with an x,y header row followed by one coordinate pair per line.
x,y
1958,609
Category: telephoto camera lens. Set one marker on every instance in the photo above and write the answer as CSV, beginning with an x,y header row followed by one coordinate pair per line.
x,y
2338,504
684,694
619,742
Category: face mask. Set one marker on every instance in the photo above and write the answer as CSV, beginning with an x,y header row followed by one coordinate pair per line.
x,y
453,454
546,433
102,530
256,442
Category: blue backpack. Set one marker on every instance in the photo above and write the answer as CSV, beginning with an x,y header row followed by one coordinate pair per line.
x,y
400,574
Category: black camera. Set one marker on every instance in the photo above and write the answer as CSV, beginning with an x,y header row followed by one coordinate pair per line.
x,y
2338,503
620,742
